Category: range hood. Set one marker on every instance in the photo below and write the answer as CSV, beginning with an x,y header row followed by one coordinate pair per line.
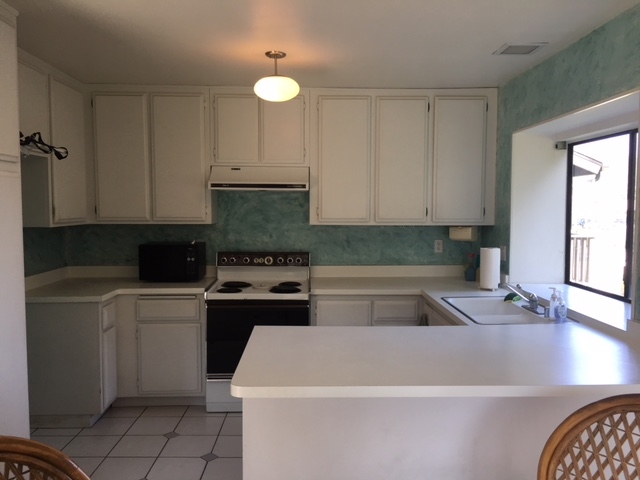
x,y
259,178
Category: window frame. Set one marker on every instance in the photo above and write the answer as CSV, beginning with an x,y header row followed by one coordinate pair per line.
x,y
630,221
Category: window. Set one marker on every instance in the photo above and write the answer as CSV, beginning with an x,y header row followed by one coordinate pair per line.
x,y
600,214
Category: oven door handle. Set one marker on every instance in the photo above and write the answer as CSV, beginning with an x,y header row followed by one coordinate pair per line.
x,y
219,377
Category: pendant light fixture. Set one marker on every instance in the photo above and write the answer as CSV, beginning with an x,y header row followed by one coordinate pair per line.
x,y
276,88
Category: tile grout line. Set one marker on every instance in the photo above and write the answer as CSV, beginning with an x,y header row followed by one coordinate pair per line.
x,y
121,437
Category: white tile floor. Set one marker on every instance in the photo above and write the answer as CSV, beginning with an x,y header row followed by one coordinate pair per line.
x,y
154,443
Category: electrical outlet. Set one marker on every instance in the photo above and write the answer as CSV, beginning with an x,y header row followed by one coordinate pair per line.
x,y
438,246
503,253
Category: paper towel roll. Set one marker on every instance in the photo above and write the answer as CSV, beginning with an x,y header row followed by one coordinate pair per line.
x,y
489,268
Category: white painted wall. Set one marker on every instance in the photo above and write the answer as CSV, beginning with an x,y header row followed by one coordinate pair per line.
x,y
539,172
14,395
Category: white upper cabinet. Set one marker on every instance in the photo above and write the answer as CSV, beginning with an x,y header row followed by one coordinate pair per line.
x,y
341,173
369,154
236,138
403,157
69,178
459,159
122,157
401,160
250,131
151,157
54,191
9,145
33,95
283,131
178,126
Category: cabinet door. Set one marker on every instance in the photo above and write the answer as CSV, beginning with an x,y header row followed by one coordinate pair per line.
x,y
34,102
109,357
179,157
395,312
343,313
9,144
343,156
283,131
69,176
401,160
109,368
236,137
122,157
459,159
169,357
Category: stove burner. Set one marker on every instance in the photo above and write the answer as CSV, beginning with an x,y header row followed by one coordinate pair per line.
x,y
289,284
229,290
284,289
235,285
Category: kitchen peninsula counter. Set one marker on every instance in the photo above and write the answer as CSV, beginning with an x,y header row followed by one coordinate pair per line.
x,y
418,402
494,361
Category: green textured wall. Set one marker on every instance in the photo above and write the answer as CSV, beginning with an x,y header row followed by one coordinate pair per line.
x,y
599,66
247,221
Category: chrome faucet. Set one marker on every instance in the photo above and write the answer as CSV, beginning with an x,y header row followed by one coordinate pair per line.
x,y
531,297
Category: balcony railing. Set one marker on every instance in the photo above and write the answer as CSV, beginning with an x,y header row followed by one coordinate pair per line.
x,y
580,255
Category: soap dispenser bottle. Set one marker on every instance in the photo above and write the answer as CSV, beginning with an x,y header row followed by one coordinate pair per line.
x,y
561,309
553,303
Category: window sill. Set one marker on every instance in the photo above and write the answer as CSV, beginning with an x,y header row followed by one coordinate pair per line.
x,y
586,307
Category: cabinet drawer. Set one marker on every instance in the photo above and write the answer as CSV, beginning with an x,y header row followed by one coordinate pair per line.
x,y
168,307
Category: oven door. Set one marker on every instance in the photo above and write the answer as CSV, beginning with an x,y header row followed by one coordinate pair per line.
x,y
229,326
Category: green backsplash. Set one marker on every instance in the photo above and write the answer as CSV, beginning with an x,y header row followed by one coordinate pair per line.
x,y
246,221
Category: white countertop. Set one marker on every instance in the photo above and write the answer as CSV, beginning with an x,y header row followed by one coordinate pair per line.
x,y
89,290
583,306
511,360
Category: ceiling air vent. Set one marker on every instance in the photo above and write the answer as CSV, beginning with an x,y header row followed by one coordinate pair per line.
x,y
519,49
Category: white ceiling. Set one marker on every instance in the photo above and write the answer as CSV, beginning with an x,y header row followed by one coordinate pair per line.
x,y
329,43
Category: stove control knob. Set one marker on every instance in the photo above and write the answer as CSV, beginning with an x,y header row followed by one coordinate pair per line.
x,y
223,260
289,260
232,260
298,260
280,260
268,260
246,260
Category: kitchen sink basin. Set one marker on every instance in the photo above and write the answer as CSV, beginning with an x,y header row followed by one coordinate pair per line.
x,y
495,311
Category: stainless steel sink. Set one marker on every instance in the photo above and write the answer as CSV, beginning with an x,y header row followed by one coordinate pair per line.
x,y
495,311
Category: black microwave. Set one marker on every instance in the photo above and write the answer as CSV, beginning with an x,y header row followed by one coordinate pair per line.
x,y
172,261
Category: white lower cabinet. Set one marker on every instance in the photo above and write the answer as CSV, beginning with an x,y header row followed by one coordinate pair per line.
x,y
170,345
169,361
72,352
433,318
350,313
109,341
366,310
396,312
